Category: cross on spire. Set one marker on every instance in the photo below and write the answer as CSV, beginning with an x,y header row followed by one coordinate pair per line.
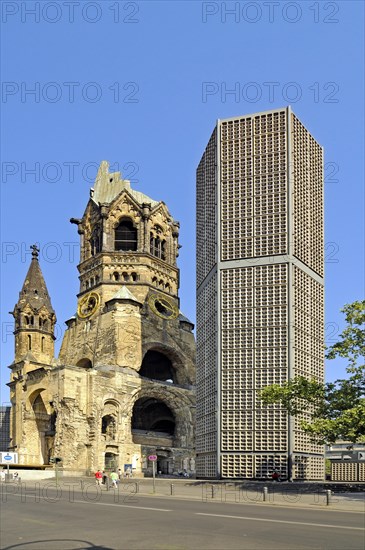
x,y
35,251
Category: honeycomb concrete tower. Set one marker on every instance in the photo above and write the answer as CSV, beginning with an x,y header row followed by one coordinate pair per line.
x,y
260,293
122,387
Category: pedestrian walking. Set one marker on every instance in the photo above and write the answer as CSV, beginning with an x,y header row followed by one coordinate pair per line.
x,y
114,479
98,477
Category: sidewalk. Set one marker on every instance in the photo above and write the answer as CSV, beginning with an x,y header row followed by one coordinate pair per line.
x,y
261,494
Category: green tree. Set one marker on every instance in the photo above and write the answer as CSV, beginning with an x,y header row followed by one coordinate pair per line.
x,y
335,410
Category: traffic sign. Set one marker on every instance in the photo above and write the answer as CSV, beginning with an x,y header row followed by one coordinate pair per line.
x,y
9,458
152,458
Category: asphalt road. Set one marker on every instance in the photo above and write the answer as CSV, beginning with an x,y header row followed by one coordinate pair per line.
x,y
70,520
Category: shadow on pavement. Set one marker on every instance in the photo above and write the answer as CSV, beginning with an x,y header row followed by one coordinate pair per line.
x,y
86,545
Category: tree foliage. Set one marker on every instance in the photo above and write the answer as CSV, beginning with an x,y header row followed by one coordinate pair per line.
x,y
334,410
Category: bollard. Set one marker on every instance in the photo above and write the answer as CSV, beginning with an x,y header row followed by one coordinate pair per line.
x,y
212,491
137,487
171,489
328,497
265,494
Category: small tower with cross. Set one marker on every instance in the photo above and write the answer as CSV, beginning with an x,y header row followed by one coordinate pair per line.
x,y
34,317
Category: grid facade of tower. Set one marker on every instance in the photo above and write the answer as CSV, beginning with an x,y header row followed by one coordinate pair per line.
x,y
260,298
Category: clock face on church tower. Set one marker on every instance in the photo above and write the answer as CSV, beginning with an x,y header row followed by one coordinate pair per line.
x,y
88,305
162,306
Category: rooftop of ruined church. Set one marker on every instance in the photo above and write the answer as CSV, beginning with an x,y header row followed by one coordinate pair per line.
x,y
108,185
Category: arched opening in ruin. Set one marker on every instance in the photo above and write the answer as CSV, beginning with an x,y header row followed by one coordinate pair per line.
x,y
40,436
157,366
84,363
39,407
152,415
108,426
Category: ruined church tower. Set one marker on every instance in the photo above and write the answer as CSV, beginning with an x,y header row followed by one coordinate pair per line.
x,y
122,387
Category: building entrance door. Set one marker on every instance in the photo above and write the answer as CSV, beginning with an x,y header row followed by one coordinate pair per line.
x,y
111,462
164,462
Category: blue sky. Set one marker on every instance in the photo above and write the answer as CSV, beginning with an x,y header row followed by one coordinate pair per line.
x,y
128,82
